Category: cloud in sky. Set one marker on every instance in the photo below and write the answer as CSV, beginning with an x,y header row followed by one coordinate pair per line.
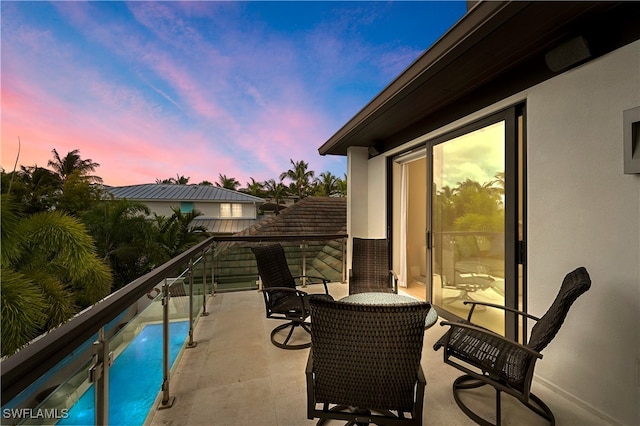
x,y
154,89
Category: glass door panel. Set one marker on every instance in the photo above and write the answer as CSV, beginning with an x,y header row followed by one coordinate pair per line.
x,y
468,224
416,242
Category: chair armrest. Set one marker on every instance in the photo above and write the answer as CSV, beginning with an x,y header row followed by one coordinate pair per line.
x,y
287,289
324,281
473,304
491,334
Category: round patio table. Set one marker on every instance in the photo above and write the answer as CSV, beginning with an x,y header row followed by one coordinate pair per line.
x,y
378,298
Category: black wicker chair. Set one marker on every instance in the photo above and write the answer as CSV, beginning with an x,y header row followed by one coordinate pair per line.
x,y
508,366
281,297
370,267
364,363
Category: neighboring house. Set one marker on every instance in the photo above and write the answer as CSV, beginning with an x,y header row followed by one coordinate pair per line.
x,y
535,106
319,216
224,212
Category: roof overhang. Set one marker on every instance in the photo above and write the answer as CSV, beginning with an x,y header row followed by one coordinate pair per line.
x,y
495,50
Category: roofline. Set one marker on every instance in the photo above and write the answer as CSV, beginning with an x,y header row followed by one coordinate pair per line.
x,y
497,49
474,17
251,198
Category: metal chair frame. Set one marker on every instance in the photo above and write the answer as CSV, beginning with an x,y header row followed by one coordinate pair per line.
x,y
488,358
283,300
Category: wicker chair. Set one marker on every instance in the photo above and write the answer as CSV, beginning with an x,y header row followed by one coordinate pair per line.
x,y
281,297
370,267
491,359
364,363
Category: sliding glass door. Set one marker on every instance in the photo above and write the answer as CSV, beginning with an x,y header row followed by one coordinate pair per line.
x,y
468,223
461,222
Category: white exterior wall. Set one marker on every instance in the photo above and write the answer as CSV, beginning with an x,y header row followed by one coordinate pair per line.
x,y
208,209
584,211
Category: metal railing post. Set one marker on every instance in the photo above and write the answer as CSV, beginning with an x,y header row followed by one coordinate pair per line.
x,y
191,343
204,284
344,260
99,376
303,246
167,399
213,269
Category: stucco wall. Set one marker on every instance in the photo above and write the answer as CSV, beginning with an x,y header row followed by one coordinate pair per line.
x,y
583,211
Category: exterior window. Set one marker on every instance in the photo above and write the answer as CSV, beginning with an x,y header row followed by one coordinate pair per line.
x,y
230,210
186,207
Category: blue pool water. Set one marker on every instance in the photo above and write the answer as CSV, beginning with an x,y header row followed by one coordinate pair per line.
x,y
135,378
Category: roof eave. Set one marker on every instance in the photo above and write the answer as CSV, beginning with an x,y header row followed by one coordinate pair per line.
x,y
496,49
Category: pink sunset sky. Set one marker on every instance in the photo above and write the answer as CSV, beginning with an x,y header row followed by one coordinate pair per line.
x,y
152,90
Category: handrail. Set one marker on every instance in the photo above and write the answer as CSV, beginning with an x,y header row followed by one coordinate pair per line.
x,y
270,238
23,368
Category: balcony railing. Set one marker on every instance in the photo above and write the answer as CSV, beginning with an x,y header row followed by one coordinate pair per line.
x,y
83,371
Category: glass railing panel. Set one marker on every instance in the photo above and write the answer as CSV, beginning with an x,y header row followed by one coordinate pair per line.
x,y
137,359
53,395
65,395
235,265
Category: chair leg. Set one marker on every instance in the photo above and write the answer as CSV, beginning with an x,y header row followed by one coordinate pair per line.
x,y
468,382
285,344
541,409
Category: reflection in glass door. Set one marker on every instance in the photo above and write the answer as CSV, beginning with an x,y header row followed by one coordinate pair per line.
x,y
414,177
468,223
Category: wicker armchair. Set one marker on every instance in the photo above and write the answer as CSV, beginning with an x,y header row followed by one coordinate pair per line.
x,y
370,267
281,297
508,366
364,363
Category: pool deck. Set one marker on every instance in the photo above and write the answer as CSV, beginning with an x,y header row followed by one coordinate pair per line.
x,y
235,376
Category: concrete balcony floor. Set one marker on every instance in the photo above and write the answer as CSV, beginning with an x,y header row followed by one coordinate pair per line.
x,y
235,376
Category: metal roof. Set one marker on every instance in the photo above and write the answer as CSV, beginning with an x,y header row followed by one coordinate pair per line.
x,y
167,192
224,226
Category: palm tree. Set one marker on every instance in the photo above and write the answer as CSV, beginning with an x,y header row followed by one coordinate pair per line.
x,y
341,186
254,188
72,162
178,180
176,232
478,207
276,191
325,184
35,188
227,182
125,237
181,180
49,270
300,177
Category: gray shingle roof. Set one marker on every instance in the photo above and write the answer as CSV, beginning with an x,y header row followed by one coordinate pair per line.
x,y
311,215
162,192
224,226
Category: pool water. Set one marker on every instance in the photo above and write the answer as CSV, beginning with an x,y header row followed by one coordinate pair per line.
x,y
135,378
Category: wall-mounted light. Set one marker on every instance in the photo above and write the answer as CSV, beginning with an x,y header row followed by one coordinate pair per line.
x,y
631,140
569,53
375,149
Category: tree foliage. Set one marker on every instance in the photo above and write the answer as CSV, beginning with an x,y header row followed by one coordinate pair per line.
x,y
49,271
470,206
66,244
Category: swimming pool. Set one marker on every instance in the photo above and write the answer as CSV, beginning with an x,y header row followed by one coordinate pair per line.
x,y
135,378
